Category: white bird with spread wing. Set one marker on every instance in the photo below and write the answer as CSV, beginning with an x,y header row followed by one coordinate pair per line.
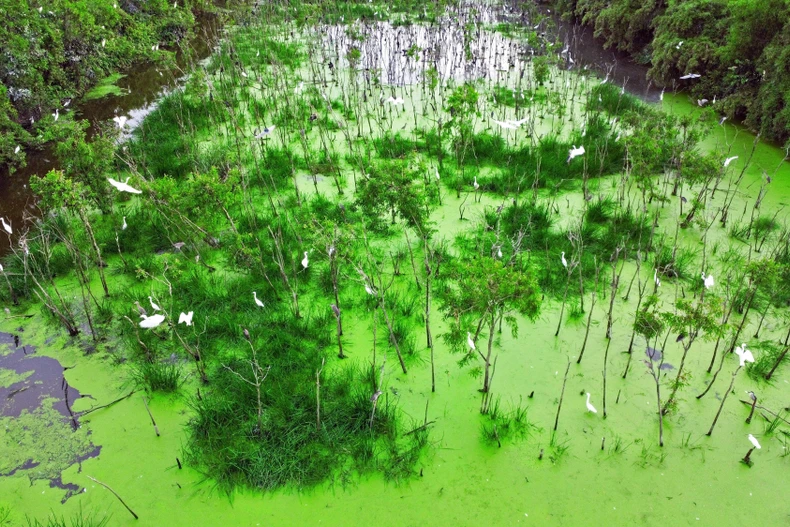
x,y
186,318
575,152
124,187
151,322
744,354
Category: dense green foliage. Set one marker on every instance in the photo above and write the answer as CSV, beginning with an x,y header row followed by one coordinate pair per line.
x,y
56,51
741,49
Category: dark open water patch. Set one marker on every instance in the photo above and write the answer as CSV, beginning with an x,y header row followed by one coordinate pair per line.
x,y
39,433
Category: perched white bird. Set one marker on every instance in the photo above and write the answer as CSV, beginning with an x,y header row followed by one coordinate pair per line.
x,y
721,121
120,120
56,115
257,301
679,44
305,261
103,42
156,307
754,441
152,321
708,281
369,289
575,152
6,226
185,318
470,342
656,279
702,102
17,149
729,160
476,184
661,96
744,354
563,260
1,268
124,187
436,173
690,76
499,252
590,407
123,227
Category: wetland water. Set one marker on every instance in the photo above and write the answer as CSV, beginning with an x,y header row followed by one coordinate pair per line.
x,y
594,471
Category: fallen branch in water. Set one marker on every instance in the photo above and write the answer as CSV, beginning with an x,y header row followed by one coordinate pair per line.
x,y
89,410
114,494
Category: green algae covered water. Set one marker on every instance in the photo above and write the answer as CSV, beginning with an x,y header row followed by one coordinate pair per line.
x,y
602,468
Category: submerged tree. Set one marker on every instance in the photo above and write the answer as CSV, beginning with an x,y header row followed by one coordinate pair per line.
x,y
490,291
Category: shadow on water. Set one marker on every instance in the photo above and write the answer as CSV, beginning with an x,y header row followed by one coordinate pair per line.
x,y
142,87
40,392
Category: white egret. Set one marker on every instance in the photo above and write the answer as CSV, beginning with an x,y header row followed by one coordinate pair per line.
x,y
590,407
506,124
656,279
6,226
470,342
702,102
305,261
563,260
744,354
17,149
499,252
729,160
103,42
708,281
679,44
476,184
721,121
152,321
56,115
690,76
396,101
661,95
257,301
123,227
436,173
1,268
575,152
518,122
156,307
186,318
754,441
124,187
120,120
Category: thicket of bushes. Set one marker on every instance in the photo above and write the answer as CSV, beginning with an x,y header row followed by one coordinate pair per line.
x,y
740,47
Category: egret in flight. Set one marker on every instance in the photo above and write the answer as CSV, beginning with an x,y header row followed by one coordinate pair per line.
x,y
590,407
690,76
744,354
729,160
120,120
151,322
186,318
124,187
575,152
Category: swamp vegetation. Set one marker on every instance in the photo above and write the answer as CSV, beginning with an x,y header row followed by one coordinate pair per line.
x,y
378,256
